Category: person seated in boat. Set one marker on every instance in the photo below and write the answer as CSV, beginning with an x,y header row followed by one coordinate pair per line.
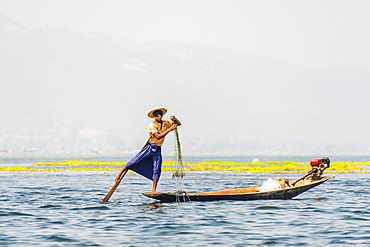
x,y
148,162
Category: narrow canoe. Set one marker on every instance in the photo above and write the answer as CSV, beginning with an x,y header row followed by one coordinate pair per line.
x,y
244,194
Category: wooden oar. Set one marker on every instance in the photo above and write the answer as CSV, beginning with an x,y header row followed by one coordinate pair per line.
x,y
113,189
110,193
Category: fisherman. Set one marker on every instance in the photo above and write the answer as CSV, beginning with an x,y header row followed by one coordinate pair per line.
x,y
148,162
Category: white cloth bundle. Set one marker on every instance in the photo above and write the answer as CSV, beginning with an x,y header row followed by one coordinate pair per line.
x,y
270,185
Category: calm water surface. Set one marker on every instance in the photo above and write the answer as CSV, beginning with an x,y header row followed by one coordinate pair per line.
x,y
64,209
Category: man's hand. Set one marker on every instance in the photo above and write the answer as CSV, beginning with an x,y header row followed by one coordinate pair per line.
x,y
172,127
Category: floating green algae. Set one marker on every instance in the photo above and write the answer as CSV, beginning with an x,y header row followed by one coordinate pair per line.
x,y
79,163
219,166
17,169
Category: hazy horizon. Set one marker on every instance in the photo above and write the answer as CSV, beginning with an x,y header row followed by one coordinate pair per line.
x,y
244,77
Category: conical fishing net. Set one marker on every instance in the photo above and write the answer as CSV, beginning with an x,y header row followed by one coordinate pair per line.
x,y
178,171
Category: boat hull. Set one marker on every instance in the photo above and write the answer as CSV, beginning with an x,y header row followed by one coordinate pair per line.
x,y
283,194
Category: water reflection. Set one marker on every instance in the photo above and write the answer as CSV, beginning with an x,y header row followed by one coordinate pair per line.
x,y
154,206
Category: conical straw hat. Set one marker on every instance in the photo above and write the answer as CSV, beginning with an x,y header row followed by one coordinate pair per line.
x,y
150,114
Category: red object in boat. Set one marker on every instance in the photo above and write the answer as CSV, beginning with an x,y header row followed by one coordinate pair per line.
x,y
315,162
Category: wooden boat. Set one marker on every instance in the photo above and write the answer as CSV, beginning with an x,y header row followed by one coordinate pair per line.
x,y
243,194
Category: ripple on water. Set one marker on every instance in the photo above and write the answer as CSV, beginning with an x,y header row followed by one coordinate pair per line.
x,y
50,206
267,207
19,214
56,222
68,216
92,208
60,238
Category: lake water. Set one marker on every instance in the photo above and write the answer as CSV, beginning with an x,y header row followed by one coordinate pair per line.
x,y
65,209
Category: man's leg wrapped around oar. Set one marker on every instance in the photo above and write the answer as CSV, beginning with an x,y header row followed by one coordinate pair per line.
x,y
148,163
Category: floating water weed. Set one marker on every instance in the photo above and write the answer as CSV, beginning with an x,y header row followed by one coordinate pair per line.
x,y
223,166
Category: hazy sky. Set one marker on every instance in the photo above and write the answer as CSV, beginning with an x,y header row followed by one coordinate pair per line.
x,y
321,33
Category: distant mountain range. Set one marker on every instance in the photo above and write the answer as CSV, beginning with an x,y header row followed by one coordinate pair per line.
x,y
66,91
